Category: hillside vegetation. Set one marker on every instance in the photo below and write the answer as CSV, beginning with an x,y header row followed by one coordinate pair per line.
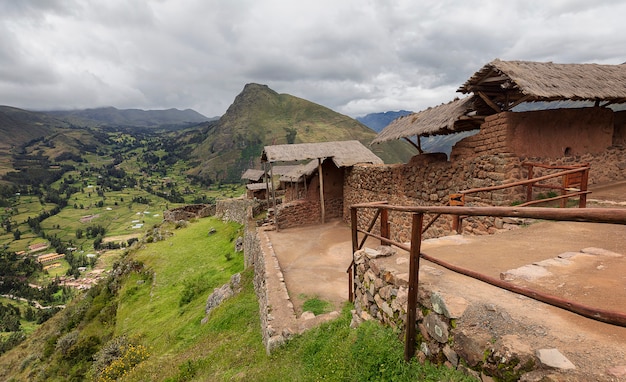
x,y
259,116
144,324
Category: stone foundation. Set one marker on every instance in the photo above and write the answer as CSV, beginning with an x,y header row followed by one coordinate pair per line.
x,y
382,295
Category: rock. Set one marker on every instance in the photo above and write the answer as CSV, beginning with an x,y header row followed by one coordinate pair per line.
x,y
451,355
307,315
239,244
448,305
554,358
617,371
386,251
471,346
527,272
600,252
437,328
212,230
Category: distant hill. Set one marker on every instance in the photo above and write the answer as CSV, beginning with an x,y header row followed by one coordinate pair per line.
x,y
18,126
113,117
432,144
259,116
378,121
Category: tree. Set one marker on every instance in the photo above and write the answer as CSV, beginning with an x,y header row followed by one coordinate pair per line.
x,y
17,234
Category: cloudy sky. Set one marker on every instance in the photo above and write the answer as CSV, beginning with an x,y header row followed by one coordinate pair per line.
x,y
353,56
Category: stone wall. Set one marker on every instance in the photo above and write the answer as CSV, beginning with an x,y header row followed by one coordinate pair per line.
x,y
189,212
298,213
428,179
236,210
382,295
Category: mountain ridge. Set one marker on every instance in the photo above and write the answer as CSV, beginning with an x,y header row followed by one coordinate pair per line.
x,y
113,117
260,116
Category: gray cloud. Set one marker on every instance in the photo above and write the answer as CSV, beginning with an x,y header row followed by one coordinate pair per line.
x,y
355,57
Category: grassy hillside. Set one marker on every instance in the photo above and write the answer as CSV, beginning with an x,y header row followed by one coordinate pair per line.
x,y
260,116
144,324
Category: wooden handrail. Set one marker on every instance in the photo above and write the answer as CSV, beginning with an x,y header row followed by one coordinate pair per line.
x,y
597,215
522,182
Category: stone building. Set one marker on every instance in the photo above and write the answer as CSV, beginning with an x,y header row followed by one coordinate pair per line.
x,y
518,110
322,179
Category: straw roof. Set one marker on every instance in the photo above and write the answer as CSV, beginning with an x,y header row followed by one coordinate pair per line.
x,y
508,83
256,186
439,120
253,175
284,170
343,153
297,172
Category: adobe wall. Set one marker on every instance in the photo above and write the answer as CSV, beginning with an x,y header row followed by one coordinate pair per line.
x,y
299,211
619,132
555,133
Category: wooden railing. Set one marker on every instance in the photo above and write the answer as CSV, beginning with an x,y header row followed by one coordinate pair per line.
x,y
597,215
573,183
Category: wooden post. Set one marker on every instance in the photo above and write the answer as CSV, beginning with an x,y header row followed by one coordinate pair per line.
x,y
529,186
582,203
355,244
273,195
321,176
564,191
414,269
384,225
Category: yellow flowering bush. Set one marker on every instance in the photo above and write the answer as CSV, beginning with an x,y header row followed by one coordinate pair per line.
x,y
119,367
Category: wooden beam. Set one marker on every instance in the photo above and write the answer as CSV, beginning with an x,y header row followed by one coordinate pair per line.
x,y
417,146
321,176
523,99
489,102
493,79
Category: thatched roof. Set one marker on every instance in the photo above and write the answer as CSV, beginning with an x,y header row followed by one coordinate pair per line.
x,y
343,153
284,170
296,174
439,120
253,175
256,186
508,83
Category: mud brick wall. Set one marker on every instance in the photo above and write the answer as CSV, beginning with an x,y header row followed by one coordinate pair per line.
x,y
298,213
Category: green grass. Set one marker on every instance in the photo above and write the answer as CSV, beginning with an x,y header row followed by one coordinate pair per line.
x,y
315,305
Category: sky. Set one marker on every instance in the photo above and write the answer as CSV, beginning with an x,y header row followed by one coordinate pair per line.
x,y
353,56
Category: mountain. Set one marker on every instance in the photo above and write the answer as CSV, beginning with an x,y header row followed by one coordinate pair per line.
x,y
113,117
18,126
378,121
259,116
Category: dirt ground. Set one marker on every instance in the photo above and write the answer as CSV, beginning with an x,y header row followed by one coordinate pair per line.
x,y
314,261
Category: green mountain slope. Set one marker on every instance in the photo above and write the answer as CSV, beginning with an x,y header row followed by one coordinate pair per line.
x,y
19,126
259,116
